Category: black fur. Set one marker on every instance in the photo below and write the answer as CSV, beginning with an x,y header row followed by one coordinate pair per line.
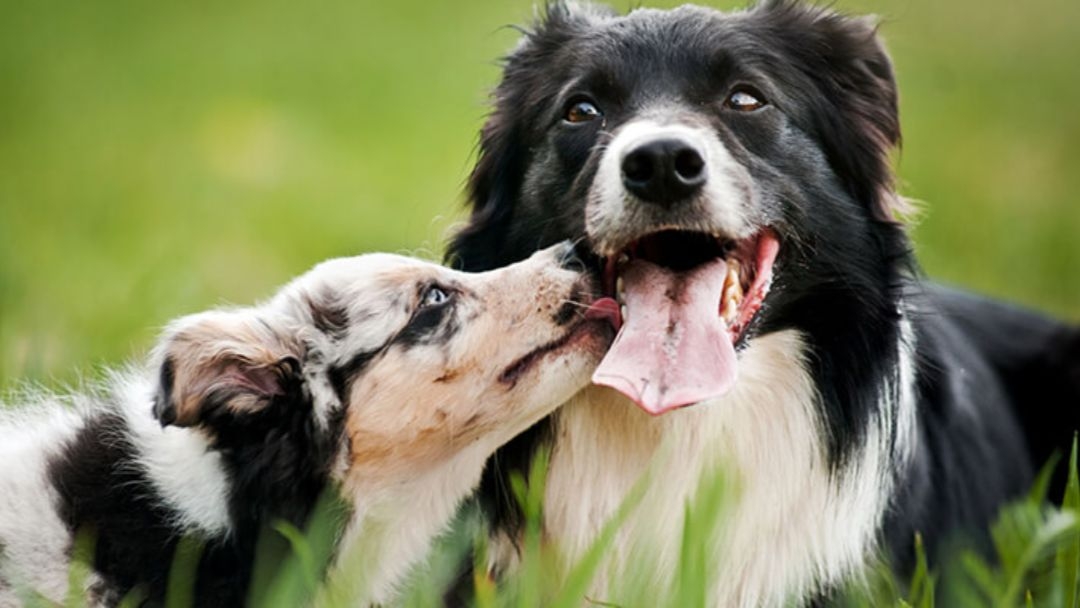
x,y
277,461
997,387
164,408
104,491
342,376
434,324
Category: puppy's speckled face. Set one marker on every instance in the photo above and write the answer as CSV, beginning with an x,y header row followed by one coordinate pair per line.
x,y
408,363
427,361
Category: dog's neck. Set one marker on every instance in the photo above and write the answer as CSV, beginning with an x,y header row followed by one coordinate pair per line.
x,y
396,520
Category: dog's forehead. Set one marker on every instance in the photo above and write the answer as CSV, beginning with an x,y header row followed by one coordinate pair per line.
x,y
366,289
373,272
656,52
659,32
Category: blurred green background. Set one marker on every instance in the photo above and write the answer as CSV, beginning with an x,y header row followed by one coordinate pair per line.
x,y
160,158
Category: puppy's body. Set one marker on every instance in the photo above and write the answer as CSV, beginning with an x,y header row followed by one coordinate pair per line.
x,y
731,173
378,377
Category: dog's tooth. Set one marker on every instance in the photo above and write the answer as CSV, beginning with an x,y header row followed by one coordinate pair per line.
x,y
624,258
622,311
619,287
733,282
732,295
731,307
732,312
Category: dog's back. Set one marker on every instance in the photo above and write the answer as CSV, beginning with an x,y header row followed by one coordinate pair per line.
x,y
1037,359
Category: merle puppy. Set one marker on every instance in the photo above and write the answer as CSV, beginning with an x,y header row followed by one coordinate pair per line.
x,y
385,380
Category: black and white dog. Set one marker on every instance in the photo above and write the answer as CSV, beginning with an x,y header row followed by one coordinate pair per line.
x,y
731,173
389,378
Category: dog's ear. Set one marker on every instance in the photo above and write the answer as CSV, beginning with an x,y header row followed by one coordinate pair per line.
x,y
505,139
845,60
224,364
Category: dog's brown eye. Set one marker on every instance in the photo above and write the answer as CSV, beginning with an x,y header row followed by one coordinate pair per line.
x,y
744,100
582,111
434,296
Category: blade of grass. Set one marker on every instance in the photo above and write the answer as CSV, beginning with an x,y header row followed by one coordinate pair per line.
x,y
1059,526
576,586
922,581
180,590
293,575
1040,489
1069,557
483,585
301,548
530,495
82,556
987,581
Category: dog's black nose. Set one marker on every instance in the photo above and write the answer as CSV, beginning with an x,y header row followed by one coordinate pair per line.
x,y
664,171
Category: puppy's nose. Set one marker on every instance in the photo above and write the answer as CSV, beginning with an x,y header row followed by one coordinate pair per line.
x,y
664,171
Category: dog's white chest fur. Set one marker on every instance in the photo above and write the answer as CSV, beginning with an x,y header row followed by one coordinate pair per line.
x,y
792,524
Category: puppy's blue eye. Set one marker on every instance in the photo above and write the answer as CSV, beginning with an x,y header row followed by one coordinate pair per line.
x,y
434,296
582,111
744,100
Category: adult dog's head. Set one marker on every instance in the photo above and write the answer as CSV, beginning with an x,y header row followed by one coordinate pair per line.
x,y
730,171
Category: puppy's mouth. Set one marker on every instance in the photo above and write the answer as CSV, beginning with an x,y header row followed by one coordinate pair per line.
x,y
685,301
595,325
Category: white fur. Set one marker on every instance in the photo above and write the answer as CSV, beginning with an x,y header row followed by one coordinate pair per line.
x,y
906,433
179,462
34,541
794,525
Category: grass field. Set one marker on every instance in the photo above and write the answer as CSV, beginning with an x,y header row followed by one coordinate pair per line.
x,y
160,158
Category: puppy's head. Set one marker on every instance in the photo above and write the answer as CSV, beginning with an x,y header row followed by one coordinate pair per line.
x,y
706,157
387,365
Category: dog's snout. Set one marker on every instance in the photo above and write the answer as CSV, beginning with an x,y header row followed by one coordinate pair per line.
x,y
664,171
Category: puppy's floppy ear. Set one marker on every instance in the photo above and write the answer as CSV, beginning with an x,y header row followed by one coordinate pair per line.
x,y
224,363
522,96
843,57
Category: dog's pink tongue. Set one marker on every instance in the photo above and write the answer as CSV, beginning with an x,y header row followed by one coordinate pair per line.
x,y
674,349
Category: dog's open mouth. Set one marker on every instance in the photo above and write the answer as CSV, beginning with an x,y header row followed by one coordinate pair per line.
x,y
685,301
